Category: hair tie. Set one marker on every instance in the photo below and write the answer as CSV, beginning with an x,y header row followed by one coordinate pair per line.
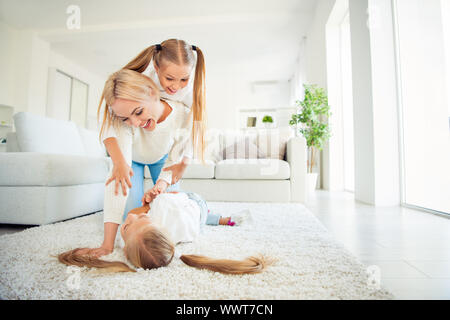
x,y
158,47
177,254
194,48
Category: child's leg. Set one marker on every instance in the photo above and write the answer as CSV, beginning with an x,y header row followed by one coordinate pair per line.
x,y
212,219
137,188
207,217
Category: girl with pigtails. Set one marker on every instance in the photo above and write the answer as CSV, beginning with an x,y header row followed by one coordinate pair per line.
x,y
148,103
151,232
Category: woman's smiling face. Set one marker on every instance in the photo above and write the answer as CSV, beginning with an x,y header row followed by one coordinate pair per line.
x,y
138,114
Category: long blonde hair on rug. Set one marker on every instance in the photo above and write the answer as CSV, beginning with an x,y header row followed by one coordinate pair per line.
x,y
153,249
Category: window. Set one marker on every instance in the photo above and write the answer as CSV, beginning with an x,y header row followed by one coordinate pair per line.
x,y
422,44
67,98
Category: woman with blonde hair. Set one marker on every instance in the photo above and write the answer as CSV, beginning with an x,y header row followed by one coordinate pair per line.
x,y
151,232
149,131
178,70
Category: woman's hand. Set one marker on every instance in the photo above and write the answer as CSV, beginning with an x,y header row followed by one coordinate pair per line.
x,y
121,173
177,170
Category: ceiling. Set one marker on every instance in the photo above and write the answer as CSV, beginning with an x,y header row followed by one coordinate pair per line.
x,y
259,39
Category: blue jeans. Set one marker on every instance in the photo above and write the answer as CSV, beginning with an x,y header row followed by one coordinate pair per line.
x,y
137,183
206,217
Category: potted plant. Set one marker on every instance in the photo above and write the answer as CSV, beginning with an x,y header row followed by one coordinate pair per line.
x,y
312,125
267,120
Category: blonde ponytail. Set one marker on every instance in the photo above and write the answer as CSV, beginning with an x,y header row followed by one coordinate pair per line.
x,y
142,60
199,107
249,265
74,258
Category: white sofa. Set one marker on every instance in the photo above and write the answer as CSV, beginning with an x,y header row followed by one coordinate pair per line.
x,y
255,165
53,170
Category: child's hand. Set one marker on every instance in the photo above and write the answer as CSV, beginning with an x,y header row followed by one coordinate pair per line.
x,y
148,197
158,188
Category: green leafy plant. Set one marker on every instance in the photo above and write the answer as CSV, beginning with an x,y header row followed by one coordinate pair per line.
x,y
267,119
313,127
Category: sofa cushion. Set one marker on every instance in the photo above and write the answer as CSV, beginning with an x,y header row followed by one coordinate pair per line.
x,y
91,143
44,169
36,133
197,170
243,149
231,138
213,151
273,142
264,169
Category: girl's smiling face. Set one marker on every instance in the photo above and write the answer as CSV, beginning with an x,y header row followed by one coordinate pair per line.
x,y
173,77
138,114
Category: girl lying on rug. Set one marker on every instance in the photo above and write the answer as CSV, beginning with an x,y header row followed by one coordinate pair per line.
x,y
151,232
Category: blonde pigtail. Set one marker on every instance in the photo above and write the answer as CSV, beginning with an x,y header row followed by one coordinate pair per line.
x,y
74,258
199,107
250,265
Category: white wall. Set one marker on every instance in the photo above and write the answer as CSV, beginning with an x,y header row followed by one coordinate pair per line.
x,y
316,68
7,69
227,93
377,179
316,65
24,63
94,81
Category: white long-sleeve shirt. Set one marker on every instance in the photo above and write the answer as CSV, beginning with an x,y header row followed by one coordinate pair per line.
x,y
177,215
171,136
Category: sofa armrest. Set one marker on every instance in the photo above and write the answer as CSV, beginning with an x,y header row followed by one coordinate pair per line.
x,y
296,155
11,142
45,169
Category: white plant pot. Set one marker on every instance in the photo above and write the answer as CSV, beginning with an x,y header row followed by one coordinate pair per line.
x,y
311,182
268,125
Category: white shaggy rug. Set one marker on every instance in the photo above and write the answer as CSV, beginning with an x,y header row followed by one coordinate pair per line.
x,y
310,264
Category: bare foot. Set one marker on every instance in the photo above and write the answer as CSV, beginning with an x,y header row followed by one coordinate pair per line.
x,y
224,221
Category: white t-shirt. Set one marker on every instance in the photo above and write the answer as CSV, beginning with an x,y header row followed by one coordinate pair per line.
x,y
184,95
171,136
177,215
